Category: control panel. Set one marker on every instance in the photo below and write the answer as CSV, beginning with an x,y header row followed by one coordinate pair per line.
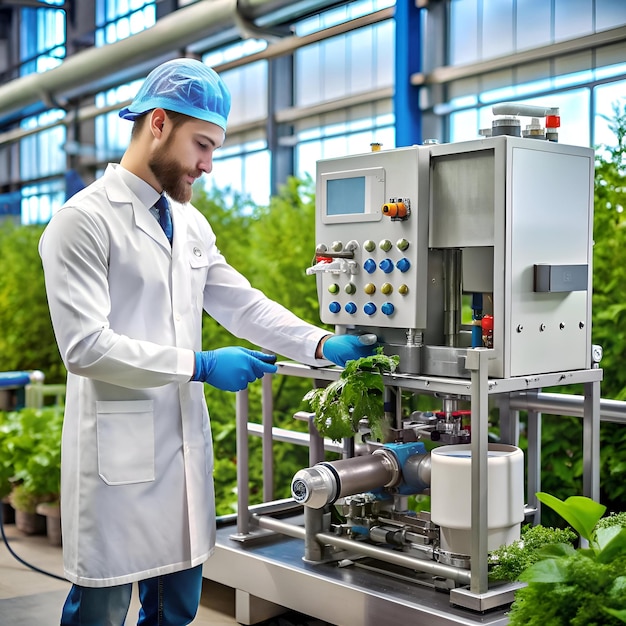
x,y
371,256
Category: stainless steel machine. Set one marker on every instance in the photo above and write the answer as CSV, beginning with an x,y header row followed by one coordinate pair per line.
x,y
472,262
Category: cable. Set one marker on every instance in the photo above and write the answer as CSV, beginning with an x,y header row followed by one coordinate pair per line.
x,y
20,559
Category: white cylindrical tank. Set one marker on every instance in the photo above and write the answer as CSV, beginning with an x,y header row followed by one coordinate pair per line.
x,y
451,506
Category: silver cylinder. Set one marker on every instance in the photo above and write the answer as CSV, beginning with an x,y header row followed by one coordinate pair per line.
x,y
324,483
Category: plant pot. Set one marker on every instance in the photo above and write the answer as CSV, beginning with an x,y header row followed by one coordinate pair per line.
x,y
52,512
30,523
8,512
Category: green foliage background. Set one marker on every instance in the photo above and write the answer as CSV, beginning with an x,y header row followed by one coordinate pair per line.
x,y
272,246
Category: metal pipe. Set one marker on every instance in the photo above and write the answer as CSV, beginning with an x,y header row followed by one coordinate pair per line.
x,y
293,436
562,404
396,558
323,483
279,526
170,34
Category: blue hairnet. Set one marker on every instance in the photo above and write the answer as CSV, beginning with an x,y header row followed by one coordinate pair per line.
x,y
186,86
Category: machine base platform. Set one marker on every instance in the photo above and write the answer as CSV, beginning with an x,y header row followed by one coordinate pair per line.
x,y
270,576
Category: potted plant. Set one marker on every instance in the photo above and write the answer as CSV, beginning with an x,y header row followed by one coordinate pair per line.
x,y
34,450
569,586
6,467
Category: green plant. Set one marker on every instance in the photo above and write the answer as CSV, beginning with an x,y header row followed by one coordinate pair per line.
x,y
583,586
508,562
356,394
32,447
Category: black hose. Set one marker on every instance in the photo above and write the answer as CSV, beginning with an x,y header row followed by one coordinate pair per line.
x,y
21,560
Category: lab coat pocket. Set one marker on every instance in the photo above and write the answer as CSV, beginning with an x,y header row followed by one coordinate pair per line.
x,y
125,441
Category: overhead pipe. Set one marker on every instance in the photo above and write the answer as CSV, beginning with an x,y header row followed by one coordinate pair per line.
x,y
169,35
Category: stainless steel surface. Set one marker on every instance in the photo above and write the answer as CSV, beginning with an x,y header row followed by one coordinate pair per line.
x,y
241,410
441,384
478,364
343,595
490,599
591,441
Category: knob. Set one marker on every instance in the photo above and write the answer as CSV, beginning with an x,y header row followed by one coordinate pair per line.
x,y
402,244
403,264
369,308
350,288
321,248
350,308
386,288
334,288
369,245
388,308
370,288
403,290
369,266
386,265
385,245
334,307
337,246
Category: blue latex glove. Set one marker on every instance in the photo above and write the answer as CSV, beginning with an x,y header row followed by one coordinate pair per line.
x,y
232,368
342,348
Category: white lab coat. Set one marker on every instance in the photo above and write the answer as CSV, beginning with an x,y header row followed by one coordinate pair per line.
x,y
137,459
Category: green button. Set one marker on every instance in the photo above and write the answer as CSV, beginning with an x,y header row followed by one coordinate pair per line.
x,y
402,244
385,245
334,288
350,288
369,245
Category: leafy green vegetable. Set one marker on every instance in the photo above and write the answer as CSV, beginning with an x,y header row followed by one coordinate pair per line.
x,y
357,394
580,512
508,562
576,587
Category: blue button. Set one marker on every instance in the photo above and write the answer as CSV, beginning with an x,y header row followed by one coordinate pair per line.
x,y
403,264
334,307
350,308
369,266
388,308
369,308
386,265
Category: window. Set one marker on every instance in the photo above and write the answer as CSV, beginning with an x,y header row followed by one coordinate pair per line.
x,y
119,19
42,47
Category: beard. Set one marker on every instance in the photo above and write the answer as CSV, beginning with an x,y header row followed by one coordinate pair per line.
x,y
170,174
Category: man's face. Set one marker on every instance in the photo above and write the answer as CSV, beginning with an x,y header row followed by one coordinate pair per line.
x,y
183,154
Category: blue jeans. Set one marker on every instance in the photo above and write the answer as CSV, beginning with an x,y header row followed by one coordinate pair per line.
x,y
170,600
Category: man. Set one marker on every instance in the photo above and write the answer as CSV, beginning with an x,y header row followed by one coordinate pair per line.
x,y
126,306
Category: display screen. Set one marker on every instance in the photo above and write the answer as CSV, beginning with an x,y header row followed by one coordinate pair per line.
x,y
345,196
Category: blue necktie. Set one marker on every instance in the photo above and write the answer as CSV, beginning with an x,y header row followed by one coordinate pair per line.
x,y
165,219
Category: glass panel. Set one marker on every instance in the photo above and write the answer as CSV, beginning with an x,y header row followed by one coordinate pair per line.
x,y
533,24
606,98
497,31
610,13
463,35
248,90
572,18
